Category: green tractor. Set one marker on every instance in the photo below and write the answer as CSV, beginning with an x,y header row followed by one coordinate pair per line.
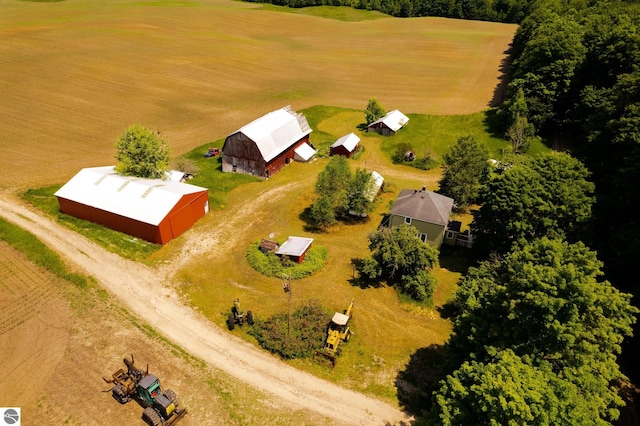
x,y
237,316
160,407
337,332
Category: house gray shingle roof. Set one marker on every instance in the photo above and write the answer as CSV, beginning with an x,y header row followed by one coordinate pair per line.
x,y
423,205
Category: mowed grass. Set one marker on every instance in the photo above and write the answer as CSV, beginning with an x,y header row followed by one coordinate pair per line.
x,y
76,74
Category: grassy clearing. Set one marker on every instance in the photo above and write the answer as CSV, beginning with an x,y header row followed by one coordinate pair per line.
x,y
388,328
38,253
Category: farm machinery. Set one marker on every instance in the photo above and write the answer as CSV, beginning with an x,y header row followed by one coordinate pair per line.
x,y
337,332
237,316
160,407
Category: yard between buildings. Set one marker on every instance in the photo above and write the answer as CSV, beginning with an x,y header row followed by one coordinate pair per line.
x,y
77,74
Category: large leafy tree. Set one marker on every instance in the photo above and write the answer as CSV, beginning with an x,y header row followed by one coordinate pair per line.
x,y
547,65
373,111
360,192
466,165
142,152
547,196
322,215
333,182
508,391
545,301
400,258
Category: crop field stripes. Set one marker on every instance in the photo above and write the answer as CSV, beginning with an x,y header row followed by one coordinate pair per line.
x,y
24,292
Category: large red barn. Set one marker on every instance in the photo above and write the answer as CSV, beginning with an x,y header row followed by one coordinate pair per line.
x,y
154,210
267,144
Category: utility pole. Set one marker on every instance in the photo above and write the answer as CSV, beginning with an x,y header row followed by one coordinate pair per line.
x,y
286,286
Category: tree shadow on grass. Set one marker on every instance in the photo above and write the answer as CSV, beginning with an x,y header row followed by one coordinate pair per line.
x,y
419,379
358,280
457,258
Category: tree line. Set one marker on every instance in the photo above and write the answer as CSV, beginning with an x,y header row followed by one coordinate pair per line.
x,y
512,11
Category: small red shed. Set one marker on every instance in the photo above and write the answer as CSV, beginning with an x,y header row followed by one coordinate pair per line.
x,y
295,248
346,145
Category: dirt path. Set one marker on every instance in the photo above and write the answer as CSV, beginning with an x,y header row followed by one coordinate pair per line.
x,y
139,288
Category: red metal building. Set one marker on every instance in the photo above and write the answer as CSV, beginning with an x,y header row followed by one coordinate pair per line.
x,y
154,210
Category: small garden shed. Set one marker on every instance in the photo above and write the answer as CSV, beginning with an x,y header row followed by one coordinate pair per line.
x,y
154,210
295,248
346,145
389,124
267,144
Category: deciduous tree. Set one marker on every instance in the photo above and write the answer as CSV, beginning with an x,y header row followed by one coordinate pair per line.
x,y
400,258
466,166
333,182
545,301
359,193
142,153
508,391
373,111
547,196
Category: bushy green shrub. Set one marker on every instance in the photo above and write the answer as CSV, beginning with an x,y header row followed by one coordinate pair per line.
x,y
305,334
273,266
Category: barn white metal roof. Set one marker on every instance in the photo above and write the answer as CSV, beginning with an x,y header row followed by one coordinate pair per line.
x,y
276,131
295,246
349,141
394,120
146,200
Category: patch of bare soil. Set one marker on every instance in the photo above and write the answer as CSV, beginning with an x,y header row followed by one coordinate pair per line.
x,y
34,328
148,295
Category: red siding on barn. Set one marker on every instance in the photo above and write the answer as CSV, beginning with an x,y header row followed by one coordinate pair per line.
x,y
252,163
110,220
186,212
341,150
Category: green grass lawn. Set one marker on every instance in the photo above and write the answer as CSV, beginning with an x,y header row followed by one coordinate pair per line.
x,y
388,328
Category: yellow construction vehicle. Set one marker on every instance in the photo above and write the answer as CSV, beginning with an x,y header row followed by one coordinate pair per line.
x,y
337,332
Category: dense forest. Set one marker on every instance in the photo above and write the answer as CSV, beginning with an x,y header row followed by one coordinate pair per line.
x,y
551,304
486,10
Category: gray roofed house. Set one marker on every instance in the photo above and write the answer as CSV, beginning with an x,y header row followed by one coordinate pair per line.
x,y
267,144
427,211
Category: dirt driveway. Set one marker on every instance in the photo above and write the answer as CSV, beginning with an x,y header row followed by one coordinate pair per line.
x,y
145,287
